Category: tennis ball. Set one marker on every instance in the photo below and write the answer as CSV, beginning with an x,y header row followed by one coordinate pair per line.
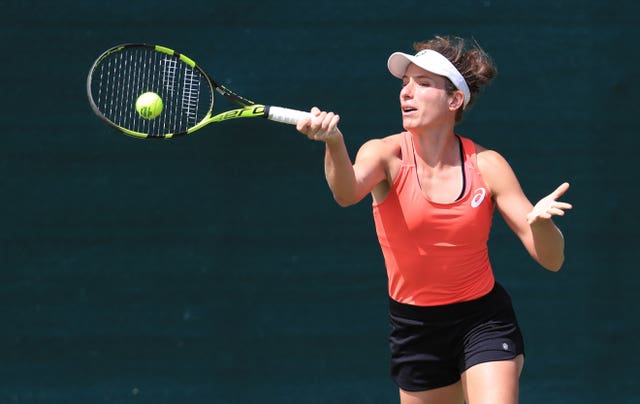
x,y
149,105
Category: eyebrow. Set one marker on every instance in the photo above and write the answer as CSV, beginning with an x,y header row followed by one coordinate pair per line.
x,y
420,76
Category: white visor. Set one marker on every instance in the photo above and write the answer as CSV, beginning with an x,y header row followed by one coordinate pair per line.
x,y
430,61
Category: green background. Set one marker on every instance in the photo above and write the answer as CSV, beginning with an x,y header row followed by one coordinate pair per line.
x,y
216,268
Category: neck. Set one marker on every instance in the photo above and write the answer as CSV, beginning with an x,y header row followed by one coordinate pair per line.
x,y
437,149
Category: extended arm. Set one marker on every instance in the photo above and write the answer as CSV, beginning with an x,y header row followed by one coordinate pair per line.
x,y
348,182
532,224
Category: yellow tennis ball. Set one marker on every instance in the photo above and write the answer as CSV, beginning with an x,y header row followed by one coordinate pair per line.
x,y
149,105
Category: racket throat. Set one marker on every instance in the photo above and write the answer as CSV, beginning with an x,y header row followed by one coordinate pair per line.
x,y
254,111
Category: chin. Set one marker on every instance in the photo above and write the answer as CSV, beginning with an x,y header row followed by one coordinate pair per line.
x,y
409,125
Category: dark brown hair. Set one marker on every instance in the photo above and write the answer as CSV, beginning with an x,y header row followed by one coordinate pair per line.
x,y
471,60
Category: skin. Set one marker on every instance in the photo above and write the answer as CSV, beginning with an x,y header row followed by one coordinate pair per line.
x,y
428,114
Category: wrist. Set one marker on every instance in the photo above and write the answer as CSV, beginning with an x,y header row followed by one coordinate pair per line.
x,y
334,139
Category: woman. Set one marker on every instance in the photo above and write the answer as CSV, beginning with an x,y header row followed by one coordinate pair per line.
x,y
454,334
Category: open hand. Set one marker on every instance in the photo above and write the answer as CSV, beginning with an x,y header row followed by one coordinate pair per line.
x,y
549,206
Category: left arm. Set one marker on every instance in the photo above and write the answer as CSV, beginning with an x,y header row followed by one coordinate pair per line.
x,y
532,224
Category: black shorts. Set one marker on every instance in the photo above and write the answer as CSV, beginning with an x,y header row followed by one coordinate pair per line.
x,y
432,346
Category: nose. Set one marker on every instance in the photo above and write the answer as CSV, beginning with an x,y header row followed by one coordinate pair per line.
x,y
407,89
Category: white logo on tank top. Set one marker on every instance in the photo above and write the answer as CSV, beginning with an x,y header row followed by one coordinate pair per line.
x,y
478,197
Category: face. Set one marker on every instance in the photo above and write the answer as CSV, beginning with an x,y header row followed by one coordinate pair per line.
x,y
424,100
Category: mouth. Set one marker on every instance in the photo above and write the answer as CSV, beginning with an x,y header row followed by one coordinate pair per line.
x,y
408,109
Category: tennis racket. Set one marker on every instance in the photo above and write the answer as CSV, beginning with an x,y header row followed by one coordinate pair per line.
x,y
120,75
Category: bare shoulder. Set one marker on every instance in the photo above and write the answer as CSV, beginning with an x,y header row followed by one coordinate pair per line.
x,y
384,154
383,148
495,169
389,144
489,160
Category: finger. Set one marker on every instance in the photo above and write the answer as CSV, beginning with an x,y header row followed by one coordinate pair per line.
x,y
303,124
326,121
334,122
560,190
556,212
543,215
317,120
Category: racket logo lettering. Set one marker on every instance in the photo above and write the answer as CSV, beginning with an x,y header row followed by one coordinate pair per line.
x,y
238,113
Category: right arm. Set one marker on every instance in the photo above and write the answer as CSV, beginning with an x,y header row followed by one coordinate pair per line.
x,y
348,182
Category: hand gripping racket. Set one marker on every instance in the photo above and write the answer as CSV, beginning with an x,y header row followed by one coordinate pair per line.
x,y
181,94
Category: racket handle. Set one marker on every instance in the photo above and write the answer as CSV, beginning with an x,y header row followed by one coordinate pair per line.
x,y
286,115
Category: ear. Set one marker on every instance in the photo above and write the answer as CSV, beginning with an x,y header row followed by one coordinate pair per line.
x,y
456,100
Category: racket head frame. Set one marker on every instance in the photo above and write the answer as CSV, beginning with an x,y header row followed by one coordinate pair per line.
x,y
248,109
212,84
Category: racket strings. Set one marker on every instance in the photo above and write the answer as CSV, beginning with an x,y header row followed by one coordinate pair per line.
x,y
122,76
191,95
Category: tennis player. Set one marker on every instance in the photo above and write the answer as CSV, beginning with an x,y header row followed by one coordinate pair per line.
x,y
455,335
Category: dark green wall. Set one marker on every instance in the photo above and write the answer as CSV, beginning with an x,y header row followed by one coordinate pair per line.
x,y
217,269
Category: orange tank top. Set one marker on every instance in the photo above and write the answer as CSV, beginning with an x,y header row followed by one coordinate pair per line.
x,y
435,253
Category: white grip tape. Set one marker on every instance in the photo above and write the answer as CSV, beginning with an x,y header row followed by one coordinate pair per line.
x,y
286,115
